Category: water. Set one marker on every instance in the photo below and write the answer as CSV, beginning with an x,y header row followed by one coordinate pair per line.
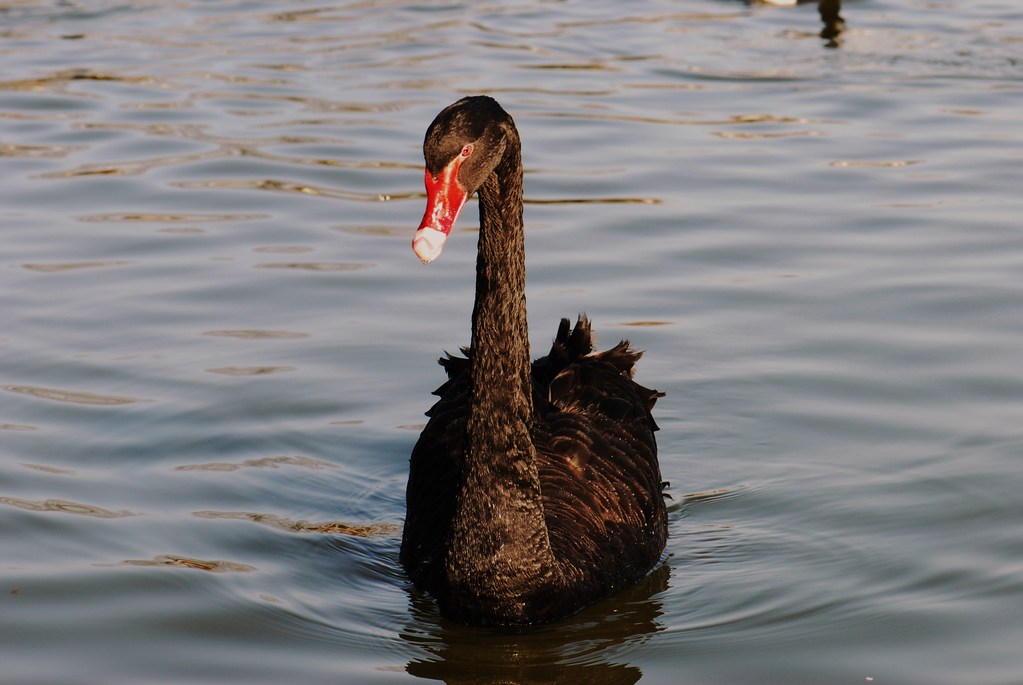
x,y
217,344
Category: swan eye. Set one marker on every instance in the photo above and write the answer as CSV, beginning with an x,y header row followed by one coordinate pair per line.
x,y
467,150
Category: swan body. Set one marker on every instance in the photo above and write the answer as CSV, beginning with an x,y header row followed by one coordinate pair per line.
x,y
534,489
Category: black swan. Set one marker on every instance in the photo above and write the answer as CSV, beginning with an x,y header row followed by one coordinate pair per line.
x,y
534,489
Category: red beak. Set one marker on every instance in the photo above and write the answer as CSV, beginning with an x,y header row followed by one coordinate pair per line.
x,y
445,198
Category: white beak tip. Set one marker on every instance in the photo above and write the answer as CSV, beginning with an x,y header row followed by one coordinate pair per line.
x,y
428,243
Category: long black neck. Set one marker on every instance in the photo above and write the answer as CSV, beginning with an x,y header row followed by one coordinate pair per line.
x,y
500,339
500,546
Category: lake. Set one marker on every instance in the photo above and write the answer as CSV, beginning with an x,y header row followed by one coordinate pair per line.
x,y
217,345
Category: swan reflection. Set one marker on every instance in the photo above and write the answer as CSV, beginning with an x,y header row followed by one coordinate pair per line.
x,y
830,17
833,22
579,649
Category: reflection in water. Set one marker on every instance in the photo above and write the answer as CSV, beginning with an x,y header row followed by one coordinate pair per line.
x,y
833,23
575,650
829,10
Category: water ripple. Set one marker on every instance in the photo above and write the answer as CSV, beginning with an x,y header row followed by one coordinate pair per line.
x,y
210,565
72,266
260,463
120,217
250,370
36,151
292,526
66,507
72,396
257,334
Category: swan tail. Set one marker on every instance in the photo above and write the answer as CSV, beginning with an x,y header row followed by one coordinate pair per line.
x,y
605,379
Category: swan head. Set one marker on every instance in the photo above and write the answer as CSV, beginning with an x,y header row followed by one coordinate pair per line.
x,y
463,146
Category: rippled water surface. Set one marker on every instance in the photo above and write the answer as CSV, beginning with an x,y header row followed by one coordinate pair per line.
x,y
217,345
